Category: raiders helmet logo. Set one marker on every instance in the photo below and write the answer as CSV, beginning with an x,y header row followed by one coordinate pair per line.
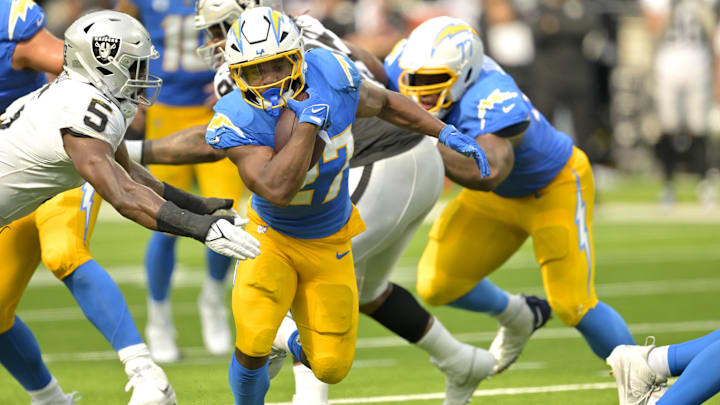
x,y
105,48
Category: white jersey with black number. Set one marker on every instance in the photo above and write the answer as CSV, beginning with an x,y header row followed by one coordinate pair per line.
x,y
34,165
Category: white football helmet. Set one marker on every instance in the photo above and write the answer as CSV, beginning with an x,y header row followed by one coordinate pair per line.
x,y
216,17
263,39
447,47
112,50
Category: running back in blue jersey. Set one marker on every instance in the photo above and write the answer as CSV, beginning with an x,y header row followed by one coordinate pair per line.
x,y
184,74
322,206
20,20
495,102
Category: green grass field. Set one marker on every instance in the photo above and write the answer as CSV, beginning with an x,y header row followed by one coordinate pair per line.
x,y
661,276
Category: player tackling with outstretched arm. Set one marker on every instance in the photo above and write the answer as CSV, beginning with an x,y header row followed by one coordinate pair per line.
x,y
105,72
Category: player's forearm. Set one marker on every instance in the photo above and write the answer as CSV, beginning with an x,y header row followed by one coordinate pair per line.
x,y
405,113
464,171
283,175
184,147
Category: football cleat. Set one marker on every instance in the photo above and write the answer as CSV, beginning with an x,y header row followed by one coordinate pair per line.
x,y
214,320
514,335
464,372
150,385
160,332
637,383
277,359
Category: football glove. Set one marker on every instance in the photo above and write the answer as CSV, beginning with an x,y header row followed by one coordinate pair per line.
x,y
465,145
232,241
314,109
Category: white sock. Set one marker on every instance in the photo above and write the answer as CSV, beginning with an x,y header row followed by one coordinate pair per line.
x,y
212,289
438,342
513,308
658,360
48,392
135,356
287,327
308,389
159,311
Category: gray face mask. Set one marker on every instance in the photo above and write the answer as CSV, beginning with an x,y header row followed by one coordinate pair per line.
x,y
128,109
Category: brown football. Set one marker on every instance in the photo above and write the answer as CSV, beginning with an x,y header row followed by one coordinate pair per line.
x,y
285,127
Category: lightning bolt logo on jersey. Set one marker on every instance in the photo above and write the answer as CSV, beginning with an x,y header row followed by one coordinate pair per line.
x,y
20,20
322,206
495,102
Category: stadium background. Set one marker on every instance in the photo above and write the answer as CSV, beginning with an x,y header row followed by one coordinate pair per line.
x,y
656,246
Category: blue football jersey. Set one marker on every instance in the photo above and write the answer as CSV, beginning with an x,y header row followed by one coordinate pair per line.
x,y
19,21
184,74
322,206
495,102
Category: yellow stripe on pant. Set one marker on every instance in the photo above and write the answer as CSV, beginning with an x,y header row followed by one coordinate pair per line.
x,y
313,277
478,231
58,231
218,179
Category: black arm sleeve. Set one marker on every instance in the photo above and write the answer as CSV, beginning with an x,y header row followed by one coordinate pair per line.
x,y
193,203
175,220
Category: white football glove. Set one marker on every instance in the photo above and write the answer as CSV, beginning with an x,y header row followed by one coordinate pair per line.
x,y
232,241
230,212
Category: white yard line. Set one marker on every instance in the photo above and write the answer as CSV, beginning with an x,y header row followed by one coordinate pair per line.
x,y
479,393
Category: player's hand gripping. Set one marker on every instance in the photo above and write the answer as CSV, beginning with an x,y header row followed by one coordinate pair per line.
x,y
465,145
231,240
314,110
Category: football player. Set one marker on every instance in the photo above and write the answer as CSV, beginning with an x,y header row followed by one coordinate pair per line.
x,y
59,232
541,187
641,372
304,217
391,206
186,100
79,140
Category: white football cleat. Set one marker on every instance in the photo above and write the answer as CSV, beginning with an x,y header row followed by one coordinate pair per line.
x,y
160,332
514,335
277,359
464,372
149,384
637,383
215,329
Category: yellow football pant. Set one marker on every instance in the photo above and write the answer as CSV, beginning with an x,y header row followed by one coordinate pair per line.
x,y
478,231
58,232
313,277
218,179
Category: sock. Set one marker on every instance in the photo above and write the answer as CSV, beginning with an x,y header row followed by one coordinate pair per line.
x,y
218,264
402,314
658,361
699,381
438,342
515,304
51,391
248,386
484,297
680,355
132,355
103,304
20,355
159,264
213,290
294,346
308,388
603,329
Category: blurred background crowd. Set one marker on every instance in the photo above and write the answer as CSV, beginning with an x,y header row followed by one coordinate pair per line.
x,y
634,82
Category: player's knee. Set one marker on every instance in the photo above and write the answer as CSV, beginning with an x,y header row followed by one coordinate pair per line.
x,y
433,290
570,314
62,259
331,369
6,322
255,342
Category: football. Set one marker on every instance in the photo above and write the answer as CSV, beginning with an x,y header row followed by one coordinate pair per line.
x,y
285,127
